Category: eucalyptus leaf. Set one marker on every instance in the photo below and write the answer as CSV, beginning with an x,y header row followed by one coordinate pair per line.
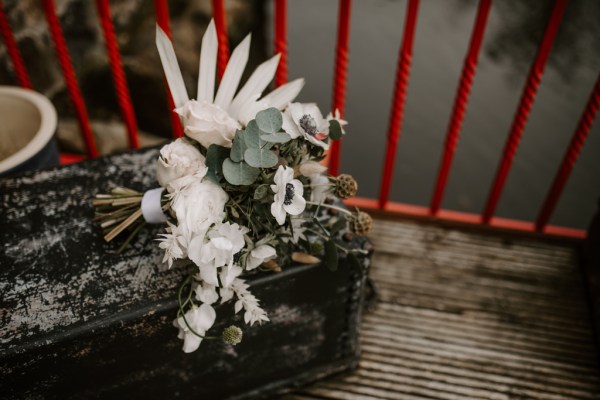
x,y
253,138
239,147
215,155
338,225
269,120
261,192
278,137
260,158
335,130
239,173
331,255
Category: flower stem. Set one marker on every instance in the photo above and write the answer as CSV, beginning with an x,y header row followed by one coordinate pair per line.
x,y
312,203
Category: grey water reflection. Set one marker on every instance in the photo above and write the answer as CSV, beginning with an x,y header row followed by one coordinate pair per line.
x,y
514,30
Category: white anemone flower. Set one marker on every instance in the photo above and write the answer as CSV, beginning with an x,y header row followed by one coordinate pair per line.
x,y
200,319
288,195
213,119
306,120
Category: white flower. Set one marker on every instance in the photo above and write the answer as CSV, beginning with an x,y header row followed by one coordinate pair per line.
x,y
178,159
288,195
200,319
207,123
198,206
206,293
214,119
337,116
229,274
173,243
296,233
306,120
258,255
320,187
248,302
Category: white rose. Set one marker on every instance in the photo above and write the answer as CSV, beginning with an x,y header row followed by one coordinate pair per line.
x,y
208,123
198,206
179,159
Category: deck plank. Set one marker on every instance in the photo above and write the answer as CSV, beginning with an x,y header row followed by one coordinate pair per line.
x,y
464,315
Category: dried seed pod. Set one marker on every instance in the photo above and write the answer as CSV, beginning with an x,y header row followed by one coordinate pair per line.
x,y
345,186
232,335
272,265
362,223
304,258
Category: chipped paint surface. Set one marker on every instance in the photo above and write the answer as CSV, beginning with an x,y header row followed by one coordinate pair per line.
x,y
68,300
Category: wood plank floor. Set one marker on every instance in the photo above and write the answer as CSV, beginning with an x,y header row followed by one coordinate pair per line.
x,y
463,315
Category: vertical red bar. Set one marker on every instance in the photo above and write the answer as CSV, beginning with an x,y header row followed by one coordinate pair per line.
x,y
570,157
340,78
13,50
397,112
460,103
220,25
527,98
69,74
280,45
114,57
161,9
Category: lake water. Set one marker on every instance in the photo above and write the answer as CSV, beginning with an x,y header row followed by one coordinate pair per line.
x,y
443,30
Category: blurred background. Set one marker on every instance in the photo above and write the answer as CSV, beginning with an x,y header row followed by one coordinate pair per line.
x,y
514,31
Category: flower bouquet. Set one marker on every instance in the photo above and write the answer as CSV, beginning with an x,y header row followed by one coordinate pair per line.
x,y
243,190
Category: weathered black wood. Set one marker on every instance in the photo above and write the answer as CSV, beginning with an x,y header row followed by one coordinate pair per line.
x,y
81,321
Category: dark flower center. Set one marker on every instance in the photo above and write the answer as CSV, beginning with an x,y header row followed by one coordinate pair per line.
x,y
309,124
289,194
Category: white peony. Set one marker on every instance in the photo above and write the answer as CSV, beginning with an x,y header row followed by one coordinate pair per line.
x,y
179,159
307,121
288,195
208,123
259,255
198,206
200,319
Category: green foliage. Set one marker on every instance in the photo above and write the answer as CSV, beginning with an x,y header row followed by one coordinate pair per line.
x,y
269,120
261,192
279,137
253,138
239,173
260,158
215,156
239,147
331,255
335,130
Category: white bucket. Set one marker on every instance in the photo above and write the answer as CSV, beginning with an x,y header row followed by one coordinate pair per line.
x,y
27,128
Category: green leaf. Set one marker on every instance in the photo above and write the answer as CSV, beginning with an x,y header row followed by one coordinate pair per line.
x,y
338,225
239,173
331,255
261,192
279,137
253,139
269,120
239,147
335,130
215,155
260,158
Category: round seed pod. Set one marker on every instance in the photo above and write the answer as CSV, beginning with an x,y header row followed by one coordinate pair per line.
x,y
345,186
232,335
362,223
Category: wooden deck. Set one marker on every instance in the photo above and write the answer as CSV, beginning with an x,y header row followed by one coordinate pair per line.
x,y
463,315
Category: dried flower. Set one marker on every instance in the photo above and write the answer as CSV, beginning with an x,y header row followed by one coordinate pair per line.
x,y
345,186
232,335
361,223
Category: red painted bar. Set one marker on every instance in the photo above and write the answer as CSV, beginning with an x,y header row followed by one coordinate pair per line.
x,y
460,103
527,98
340,78
456,218
223,52
161,8
13,50
397,112
280,45
581,133
69,75
116,66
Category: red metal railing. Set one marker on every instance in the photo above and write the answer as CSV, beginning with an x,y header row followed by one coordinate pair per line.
x,y
339,94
